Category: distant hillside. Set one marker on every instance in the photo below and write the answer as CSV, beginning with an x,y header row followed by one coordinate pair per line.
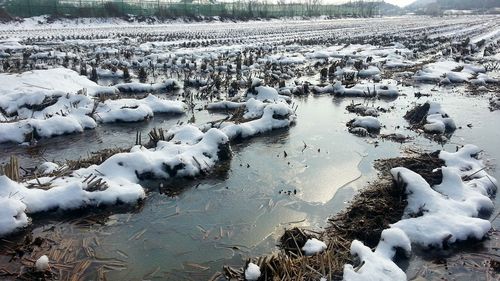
x,y
388,9
419,4
453,5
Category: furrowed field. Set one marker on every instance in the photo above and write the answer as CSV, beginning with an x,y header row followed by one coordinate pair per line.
x,y
347,149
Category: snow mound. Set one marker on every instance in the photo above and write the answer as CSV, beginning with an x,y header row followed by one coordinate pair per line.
x,y
274,116
449,211
437,121
252,272
369,123
434,216
33,86
369,72
42,263
73,113
378,265
264,111
13,214
132,110
313,246
363,90
267,94
447,72
434,219
121,174
135,87
48,168
224,105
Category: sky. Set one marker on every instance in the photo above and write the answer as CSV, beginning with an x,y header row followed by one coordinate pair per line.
x,y
400,3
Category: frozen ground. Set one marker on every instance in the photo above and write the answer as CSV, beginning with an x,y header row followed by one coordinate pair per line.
x,y
279,94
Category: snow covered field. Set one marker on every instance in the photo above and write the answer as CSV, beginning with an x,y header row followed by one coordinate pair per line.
x,y
191,94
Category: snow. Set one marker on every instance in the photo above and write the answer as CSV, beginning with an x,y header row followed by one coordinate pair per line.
x,y
467,165
437,121
274,116
365,110
368,72
136,87
313,246
368,122
13,215
186,134
268,94
48,168
42,263
133,110
252,272
12,44
224,105
362,90
14,132
33,86
449,211
35,105
447,72
20,131
378,265
188,153
281,59
434,216
60,125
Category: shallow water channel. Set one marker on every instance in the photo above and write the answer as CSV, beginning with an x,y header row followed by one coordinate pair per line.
x,y
295,177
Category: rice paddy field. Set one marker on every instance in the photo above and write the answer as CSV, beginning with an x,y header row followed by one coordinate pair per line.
x,y
346,149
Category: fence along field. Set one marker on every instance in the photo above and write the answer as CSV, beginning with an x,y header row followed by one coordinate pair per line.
x,y
185,8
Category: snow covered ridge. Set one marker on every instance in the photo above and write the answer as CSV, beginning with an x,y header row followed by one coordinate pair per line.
x,y
431,118
449,72
434,216
438,120
378,265
364,125
265,111
188,153
169,84
46,103
359,90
